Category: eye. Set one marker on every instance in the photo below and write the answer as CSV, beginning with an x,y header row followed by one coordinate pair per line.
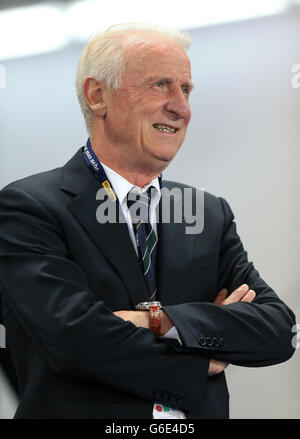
x,y
159,84
185,90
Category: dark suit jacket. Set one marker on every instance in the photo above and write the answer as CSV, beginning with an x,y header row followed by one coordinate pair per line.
x,y
62,274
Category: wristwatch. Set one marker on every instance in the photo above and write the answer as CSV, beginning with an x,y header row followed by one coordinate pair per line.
x,y
155,315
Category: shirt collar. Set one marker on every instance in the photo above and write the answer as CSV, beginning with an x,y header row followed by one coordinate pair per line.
x,y
121,186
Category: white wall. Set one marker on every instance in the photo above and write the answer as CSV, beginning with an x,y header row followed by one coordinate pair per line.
x,y
243,144
8,400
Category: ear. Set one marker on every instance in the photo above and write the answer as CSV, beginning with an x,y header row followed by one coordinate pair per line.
x,y
93,92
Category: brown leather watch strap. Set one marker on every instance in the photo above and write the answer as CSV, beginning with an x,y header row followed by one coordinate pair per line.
x,y
155,319
154,309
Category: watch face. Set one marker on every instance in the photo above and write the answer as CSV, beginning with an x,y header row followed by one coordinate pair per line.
x,y
145,306
142,306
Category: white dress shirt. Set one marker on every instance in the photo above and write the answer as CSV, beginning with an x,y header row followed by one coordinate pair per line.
x,y
121,188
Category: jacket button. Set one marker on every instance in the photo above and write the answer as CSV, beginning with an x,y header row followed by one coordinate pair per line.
x,y
166,396
222,342
202,341
157,395
209,341
179,398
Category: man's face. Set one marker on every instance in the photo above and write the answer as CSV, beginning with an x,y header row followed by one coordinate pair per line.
x,y
148,115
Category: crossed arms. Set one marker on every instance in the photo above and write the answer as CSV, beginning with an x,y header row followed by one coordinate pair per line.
x,y
80,337
142,318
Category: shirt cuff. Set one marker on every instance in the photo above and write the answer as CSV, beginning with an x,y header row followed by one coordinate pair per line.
x,y
172,333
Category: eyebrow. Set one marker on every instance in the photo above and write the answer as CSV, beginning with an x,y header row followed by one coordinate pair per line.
x,y
188,84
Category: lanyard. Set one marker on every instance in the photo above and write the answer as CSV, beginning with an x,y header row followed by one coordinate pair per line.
x,y
95,165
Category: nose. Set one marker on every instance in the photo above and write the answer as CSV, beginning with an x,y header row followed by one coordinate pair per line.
x,y
178,106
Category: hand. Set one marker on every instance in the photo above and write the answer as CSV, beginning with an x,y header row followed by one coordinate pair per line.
x,y
241,294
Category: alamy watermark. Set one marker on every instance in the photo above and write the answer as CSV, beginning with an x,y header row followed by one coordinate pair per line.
x,y
2,76
295,81
176,206
2,337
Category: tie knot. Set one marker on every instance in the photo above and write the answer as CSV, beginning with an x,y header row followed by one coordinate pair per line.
x,y
136,196
138,204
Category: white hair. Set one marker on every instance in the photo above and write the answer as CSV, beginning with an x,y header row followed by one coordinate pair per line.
x,y
104,56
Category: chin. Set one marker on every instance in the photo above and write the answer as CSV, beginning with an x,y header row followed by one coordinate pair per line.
x,y
169,153
165,152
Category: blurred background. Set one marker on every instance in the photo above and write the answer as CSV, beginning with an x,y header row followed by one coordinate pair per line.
x,y
243,141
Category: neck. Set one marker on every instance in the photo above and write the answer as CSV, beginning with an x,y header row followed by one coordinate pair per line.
x,y
132,172
137,177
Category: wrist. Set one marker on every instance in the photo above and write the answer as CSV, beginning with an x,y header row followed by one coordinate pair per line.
x,y
143,319
166,323
155,315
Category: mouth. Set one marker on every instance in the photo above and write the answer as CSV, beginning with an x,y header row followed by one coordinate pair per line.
x,y
165,128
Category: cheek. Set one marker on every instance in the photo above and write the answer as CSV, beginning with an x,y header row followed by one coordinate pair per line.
x,y
148,105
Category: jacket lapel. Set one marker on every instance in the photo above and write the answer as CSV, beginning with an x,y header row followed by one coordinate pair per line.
x,y
175,248
112,239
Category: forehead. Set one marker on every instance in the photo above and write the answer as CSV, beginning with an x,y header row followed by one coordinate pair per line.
x,y
156,57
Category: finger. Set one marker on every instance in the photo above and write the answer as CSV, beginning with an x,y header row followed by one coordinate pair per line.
x,y
221,296
237,295
249,297
216,367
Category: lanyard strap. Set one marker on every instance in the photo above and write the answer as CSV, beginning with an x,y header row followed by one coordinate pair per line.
x,y
96,167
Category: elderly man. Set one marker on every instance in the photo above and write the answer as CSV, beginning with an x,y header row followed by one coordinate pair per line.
x,y
134,318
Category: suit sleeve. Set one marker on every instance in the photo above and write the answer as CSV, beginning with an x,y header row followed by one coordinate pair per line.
x,y
245,334
76,335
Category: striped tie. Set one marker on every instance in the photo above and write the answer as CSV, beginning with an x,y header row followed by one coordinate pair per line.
x,y
146,239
